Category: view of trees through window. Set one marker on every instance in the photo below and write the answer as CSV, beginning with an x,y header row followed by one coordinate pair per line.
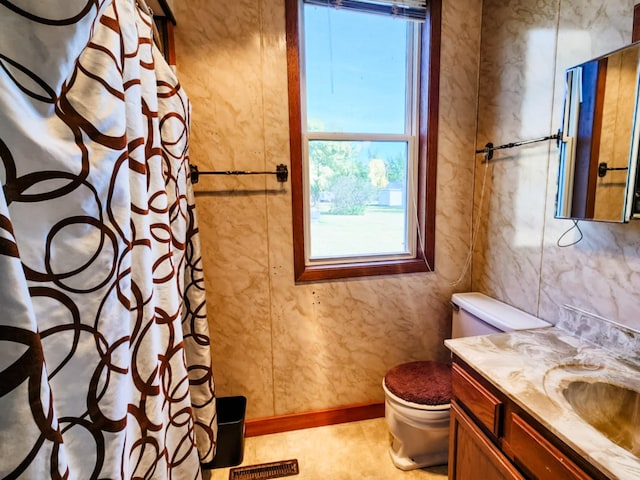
x,y
356,179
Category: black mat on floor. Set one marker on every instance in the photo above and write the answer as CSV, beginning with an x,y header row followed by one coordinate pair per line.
x,y
263,471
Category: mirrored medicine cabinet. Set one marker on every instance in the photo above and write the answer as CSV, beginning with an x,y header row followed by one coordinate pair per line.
x,y
598,178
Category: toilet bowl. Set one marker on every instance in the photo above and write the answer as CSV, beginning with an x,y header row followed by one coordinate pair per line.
x,y
416,396
419,431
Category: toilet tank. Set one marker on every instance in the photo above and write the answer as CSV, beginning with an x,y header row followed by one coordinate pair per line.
x,y
476,314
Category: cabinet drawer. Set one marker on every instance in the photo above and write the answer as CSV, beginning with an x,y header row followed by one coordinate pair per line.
x,y
484,406
537,455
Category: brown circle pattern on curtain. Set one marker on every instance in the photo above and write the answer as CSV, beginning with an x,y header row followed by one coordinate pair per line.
x,y
105,365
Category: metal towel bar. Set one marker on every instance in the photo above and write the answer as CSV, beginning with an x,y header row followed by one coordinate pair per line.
x,y
281,173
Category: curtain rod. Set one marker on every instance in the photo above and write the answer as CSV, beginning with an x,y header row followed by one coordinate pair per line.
x,y
489,148
281,173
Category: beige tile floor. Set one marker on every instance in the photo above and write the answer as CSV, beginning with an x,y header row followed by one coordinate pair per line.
x,y
348,451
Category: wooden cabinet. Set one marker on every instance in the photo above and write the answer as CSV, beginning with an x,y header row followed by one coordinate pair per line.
x,y
537,455
472,455
493,439
486,407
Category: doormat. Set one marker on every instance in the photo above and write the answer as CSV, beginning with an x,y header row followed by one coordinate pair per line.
x,y
263,471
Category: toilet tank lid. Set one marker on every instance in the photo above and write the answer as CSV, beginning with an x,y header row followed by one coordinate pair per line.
x,y
502,316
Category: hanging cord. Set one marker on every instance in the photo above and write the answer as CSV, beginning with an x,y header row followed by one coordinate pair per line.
x,y
488,155
575,226
421,240
474,236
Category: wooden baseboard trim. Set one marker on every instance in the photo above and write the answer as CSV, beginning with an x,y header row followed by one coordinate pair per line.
x,y
299,421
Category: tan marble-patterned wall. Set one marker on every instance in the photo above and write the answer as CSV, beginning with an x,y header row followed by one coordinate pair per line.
x,y
515,103
293,348
525,50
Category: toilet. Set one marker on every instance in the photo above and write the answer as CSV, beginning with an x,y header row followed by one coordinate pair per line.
x,y
417,394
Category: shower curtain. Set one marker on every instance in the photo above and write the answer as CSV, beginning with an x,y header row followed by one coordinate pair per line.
x,y
105,368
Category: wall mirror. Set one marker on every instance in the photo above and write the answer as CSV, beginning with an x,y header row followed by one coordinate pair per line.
x,y
598,175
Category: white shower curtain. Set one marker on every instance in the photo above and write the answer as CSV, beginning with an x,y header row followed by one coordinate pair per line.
x,y
105,368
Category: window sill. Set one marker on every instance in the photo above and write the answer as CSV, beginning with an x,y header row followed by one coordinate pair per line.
x,y
317,273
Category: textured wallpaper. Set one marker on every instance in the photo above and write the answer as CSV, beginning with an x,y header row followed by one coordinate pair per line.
x,y
295,348
525,51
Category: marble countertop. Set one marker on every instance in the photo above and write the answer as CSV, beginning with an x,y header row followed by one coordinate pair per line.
x,y
531,367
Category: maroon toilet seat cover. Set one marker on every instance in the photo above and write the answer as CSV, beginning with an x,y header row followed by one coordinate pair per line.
x,y
425,383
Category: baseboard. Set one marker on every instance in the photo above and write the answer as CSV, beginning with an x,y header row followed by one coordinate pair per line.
x,y
299,421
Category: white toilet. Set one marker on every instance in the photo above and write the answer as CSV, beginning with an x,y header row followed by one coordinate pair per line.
x,y
417,394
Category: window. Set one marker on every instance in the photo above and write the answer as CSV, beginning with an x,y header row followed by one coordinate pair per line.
x,y
363,92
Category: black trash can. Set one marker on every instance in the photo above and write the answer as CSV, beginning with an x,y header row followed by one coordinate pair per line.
x,y
230,448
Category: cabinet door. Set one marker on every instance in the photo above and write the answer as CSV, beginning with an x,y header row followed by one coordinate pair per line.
x,y
472,456
537,455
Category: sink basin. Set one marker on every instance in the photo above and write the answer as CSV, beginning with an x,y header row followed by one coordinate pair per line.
x,y
611,409
605,398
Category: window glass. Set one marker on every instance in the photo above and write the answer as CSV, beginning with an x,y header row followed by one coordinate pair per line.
x,y
355,71
363,116
358,198
358,138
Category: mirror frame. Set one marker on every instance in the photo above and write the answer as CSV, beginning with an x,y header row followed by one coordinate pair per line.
x,y
579,142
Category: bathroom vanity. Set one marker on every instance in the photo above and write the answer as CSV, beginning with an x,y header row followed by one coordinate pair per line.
x,y
515,415
492,438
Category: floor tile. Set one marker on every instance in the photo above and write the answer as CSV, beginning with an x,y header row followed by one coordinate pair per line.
x,y
347,451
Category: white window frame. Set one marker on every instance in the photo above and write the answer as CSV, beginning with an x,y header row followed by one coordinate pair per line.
x,y
410,137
